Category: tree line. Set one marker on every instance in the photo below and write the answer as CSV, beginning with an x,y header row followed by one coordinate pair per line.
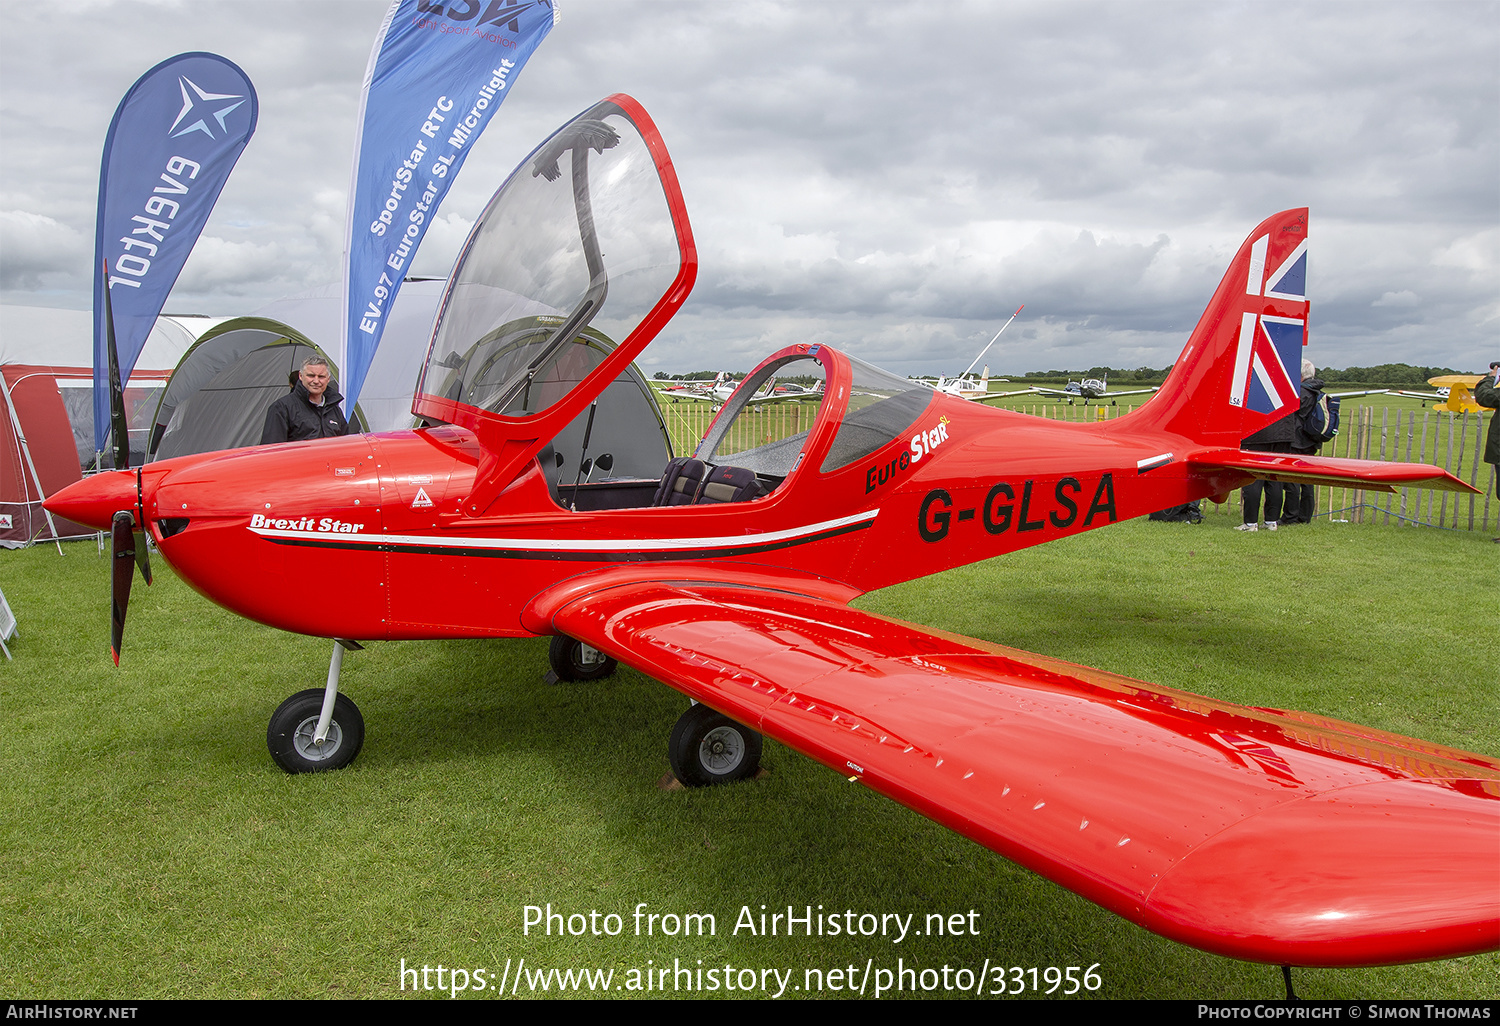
x,y
1381,374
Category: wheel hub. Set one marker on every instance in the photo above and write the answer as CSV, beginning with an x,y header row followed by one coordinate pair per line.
x,y
309,749
721,750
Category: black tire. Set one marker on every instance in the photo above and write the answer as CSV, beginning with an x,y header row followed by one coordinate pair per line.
x,y
573,660
289,737
709,748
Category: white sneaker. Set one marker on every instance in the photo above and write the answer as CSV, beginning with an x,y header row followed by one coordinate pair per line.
x,y
1247,527
1270,525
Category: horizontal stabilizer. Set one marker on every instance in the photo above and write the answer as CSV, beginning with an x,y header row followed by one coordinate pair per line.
x,y
1372,475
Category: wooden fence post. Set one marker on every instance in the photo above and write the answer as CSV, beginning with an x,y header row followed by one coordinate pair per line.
x,y
1411,423
1474,471
1448,466
1426,413
1489,484
1384,414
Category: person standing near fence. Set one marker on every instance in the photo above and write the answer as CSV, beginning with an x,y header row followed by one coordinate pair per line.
x,y
1274,437
1297,504
1487,394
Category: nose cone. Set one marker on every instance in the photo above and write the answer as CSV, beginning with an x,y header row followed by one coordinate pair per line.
x,y
94,501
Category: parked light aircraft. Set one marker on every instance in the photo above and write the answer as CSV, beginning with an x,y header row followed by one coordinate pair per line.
x,y
1091,388
717,390
1454,393
1273,836
965,386
721,388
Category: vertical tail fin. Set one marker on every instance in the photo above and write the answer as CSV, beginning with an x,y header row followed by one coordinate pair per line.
x,y
1241,368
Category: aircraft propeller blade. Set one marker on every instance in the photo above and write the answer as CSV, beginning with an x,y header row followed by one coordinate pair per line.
x,y
142,554
122,573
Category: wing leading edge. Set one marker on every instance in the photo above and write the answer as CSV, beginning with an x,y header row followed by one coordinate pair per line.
x,y
1264,835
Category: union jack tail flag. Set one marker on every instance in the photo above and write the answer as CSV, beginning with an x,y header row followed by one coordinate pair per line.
x,y
1268,360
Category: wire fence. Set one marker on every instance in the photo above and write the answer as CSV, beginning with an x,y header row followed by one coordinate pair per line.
x,y
1453,441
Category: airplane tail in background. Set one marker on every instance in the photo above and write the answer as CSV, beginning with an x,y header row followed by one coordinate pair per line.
x,y
1242,366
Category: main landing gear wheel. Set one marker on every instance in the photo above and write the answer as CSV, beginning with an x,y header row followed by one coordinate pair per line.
x,y
294,724
709,748
573,660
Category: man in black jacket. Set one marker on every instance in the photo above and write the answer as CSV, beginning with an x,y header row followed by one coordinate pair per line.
x,y
1487,394
310,410
1274,437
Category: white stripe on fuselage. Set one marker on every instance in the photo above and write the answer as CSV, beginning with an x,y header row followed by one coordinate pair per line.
x,y
570,544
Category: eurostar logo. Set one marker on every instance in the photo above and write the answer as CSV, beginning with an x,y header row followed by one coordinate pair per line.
x,y
199,106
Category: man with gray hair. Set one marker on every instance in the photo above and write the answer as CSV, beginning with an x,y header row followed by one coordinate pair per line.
x,y
310,410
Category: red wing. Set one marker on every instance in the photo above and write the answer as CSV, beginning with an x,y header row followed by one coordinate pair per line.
x,y
1264,835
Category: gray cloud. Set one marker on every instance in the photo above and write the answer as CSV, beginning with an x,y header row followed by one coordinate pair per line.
x,y
34,248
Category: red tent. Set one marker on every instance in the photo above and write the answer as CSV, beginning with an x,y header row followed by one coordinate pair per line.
x,y
46,407
38,450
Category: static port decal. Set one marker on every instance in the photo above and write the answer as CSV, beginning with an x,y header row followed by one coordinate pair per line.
x,y
1033,511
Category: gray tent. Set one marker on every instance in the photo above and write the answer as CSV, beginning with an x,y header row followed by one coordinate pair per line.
x,y
385,399
222,386
218,395
627,423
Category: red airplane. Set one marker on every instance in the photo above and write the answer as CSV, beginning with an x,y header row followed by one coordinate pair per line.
x,y
1272,836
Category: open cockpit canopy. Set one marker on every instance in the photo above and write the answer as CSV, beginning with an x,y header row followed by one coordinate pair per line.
x,y
584,250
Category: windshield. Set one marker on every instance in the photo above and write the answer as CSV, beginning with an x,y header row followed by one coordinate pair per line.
x,y
580,236
765,426
881,408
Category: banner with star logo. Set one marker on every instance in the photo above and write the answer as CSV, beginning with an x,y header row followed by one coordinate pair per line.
x,y
173,141
438,72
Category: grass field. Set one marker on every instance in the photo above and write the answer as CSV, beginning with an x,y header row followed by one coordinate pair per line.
x,y
153,850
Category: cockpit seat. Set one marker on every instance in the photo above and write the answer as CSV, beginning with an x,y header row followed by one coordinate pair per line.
x,y
690,482
731,484
681,482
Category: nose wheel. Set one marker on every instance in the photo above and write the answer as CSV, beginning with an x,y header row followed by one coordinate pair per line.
x,y
708,748
292,735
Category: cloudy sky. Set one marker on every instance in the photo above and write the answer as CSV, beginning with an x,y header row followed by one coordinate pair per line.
x,y
891,177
